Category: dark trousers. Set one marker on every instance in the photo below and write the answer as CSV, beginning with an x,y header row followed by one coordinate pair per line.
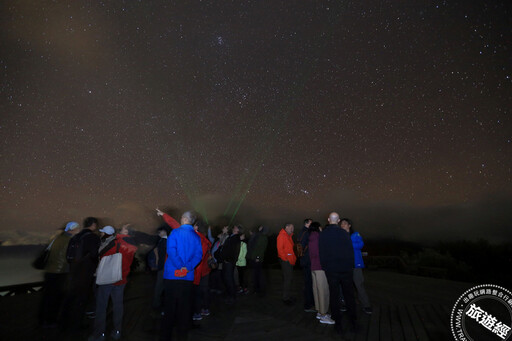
x,y
103,294
309,300
216,280
287,269
159,289
202,295
178,303
54,291
242,281
228,274
257,277
79,292
343,279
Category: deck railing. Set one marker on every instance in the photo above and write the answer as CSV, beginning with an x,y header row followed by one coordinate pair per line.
x,y
17,289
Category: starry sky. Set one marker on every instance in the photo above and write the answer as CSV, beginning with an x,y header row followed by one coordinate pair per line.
x,y
394,113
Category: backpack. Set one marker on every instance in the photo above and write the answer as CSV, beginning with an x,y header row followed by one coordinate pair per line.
x,y
73,252
300,251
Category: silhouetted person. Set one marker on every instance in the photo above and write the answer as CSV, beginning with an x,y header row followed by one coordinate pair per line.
x,y
305,263
230,252
160,252
82,256
55,276
256,255
337,260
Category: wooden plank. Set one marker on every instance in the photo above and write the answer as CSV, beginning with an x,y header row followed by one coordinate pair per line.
x,y
406,323
419,328
442,314
436,329
363,324
396,327
373,328
385,324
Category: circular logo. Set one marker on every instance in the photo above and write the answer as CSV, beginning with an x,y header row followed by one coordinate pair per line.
x,y
483,312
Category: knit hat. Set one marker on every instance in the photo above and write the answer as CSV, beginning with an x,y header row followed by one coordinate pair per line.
x,y
71,226
108,230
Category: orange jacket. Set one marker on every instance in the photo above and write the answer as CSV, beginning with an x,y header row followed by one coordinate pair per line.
x,y
285,247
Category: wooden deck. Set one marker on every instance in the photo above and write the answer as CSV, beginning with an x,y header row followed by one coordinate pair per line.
x,y
405,308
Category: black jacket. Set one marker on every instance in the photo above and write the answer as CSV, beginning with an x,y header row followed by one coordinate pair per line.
x,y
162,253
231,249
305,262
87,253
336,252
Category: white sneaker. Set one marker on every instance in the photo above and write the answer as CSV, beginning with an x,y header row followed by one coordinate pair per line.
x,y
319,316
327,320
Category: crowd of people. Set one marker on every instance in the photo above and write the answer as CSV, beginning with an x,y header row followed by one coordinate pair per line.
x,y
191,264
332,263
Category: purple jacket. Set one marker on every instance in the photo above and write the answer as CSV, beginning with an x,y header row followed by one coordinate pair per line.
x,y
314,254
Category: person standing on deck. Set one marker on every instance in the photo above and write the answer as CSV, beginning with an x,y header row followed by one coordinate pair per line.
x,y
305,264
184,252
287,259
256,255
122,243
230,253
320,285
202,276
357,243
337,260
55,276
82,256
160,252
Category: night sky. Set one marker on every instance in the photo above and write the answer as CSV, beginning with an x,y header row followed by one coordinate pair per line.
x,y
394,113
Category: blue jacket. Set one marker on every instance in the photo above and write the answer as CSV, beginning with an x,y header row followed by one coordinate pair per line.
x,y
183,251
357,243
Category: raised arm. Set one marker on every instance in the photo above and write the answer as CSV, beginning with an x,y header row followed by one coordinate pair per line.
x,y
168,219
210,237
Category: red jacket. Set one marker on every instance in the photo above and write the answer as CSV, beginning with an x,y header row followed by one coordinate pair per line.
x,y
128,252
202,269
285,247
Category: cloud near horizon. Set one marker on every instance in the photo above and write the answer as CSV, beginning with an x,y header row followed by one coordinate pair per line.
x,y
489,218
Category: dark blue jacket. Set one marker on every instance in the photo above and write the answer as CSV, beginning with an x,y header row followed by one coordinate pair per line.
x,y
305,262
336,251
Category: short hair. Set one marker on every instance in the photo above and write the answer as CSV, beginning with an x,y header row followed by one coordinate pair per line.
x,y
190,216
307,220
240,229
129,228
287,224
315,227
350,223
162,228
89,221
201,226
